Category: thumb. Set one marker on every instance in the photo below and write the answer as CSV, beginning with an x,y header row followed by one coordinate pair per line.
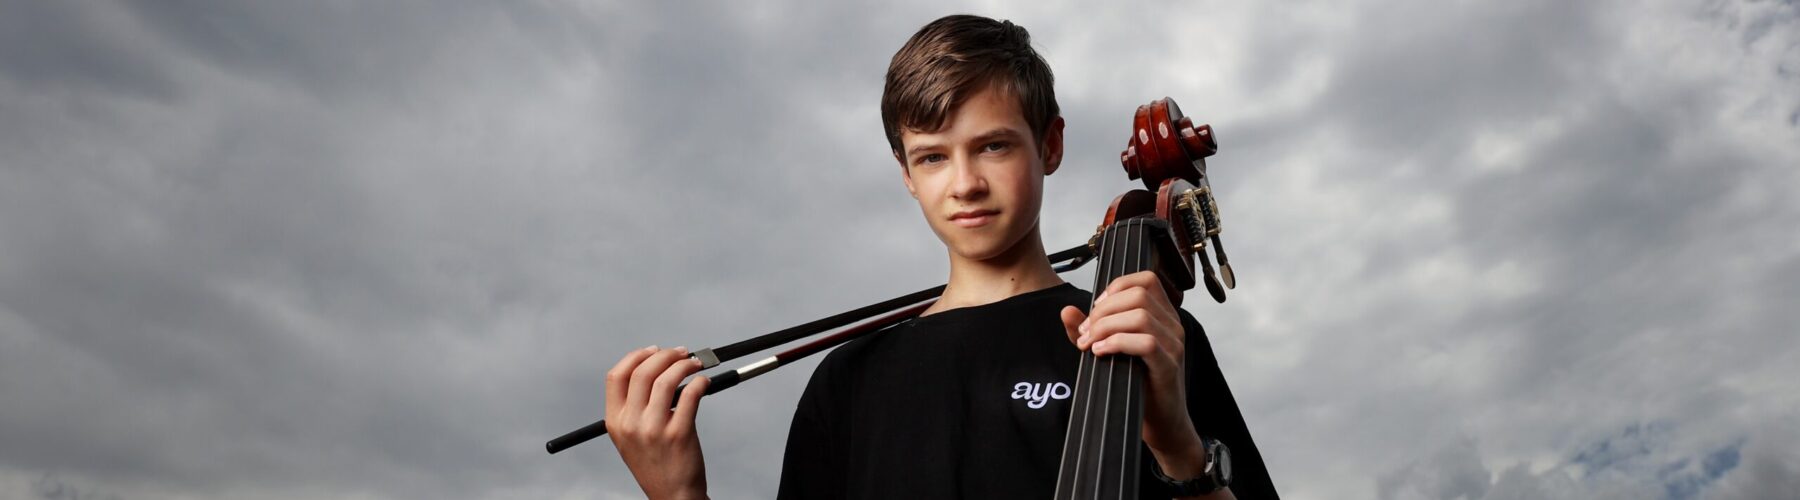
x,y
1072,318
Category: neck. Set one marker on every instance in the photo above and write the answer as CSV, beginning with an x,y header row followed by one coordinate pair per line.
x,y
1020,269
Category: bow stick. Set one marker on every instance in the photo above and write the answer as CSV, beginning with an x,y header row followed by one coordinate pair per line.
x,y
1067,260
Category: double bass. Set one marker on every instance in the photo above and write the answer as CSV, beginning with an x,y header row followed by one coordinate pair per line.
x,y
1161,229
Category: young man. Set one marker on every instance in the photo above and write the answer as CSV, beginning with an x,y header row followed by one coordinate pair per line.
x,y
971,399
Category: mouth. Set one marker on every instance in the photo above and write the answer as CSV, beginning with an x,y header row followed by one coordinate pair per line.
x,y
974,218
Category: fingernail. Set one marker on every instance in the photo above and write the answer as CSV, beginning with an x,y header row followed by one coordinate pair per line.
x,y
681,349
652,348
1083,328
1081,341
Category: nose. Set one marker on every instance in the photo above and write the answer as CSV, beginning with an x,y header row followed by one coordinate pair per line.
x,y
968,184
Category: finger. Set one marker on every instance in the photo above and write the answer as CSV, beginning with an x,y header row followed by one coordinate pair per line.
x,y
1116,302
645,374
1163,365
619,378
1142,345
662,392
1143,279
1132,321
1133,344
689,406
1145,289
1103,305
1153,288
1072,319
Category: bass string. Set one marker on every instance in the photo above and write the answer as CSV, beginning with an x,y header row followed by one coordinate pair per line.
x,y
1084,380
1111,373
1101,279
1134,240
1131,262
1112,266
1134,261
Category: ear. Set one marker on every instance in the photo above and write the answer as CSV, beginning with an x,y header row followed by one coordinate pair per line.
x,y
905,175
1053,146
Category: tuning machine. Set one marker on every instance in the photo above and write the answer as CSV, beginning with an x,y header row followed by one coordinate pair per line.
x,y
1199,209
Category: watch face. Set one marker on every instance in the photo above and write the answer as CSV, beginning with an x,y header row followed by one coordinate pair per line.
x,y
1224,459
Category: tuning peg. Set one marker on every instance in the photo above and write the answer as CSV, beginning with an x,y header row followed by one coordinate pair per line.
x,y
1212,283
1224,264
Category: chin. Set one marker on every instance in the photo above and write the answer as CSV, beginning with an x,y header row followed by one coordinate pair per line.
x,y
979,253
981,247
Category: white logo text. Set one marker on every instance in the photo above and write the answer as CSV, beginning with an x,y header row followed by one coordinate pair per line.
x,y
1038,394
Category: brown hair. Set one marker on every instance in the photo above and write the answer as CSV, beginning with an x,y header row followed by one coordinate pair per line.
x,y
957,56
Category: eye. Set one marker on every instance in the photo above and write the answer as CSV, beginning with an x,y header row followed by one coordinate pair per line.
x,y
995,147
931,158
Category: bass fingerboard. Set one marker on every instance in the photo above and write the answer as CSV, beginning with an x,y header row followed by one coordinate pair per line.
x,y
1101,451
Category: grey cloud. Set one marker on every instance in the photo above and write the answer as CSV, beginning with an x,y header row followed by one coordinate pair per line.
x,y
274,250
1454,472
49,487
79,45
1640,461
1767,470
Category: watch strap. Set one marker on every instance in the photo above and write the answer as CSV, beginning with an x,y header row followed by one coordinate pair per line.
x,y
1207,482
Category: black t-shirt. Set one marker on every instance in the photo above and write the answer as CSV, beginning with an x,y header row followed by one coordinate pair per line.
x,y
973,403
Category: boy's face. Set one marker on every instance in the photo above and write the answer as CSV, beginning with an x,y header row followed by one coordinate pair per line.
x,y
980,179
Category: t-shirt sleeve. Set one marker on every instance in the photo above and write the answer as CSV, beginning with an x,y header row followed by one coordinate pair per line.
x,y
812,466
1216,415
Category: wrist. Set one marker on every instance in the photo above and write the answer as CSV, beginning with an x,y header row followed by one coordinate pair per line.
x,y
699,494
1210,482
1184,459
676,492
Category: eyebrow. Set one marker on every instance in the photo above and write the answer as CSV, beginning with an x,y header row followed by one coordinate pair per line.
x,y
997,133
915,150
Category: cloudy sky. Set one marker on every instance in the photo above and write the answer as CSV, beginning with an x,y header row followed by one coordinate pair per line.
x,y
1528,249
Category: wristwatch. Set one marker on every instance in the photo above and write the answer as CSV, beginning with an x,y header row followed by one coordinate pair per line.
x,y
1216,475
